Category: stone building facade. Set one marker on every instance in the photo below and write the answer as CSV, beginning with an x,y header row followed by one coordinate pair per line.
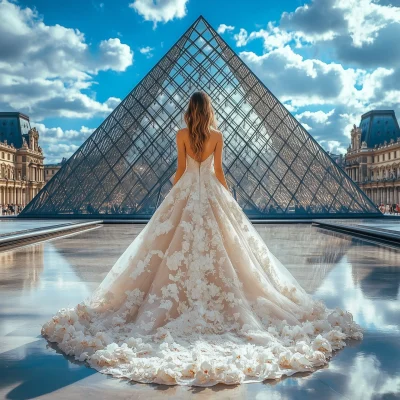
x,y
21,160
51,169
373,157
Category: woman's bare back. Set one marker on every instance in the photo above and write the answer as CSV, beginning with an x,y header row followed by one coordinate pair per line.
x,y
209,146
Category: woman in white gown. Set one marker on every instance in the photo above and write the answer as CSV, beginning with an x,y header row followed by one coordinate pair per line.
x,y
197,298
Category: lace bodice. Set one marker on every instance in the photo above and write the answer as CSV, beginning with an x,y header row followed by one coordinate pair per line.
x,y
205,166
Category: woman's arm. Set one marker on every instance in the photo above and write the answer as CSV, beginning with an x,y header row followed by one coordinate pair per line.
x,y
180,146
219,172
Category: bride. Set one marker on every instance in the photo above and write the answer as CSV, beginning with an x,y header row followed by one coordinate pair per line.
x,y
197,298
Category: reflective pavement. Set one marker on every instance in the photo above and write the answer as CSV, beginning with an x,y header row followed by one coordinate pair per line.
x,y
358,276
11,225
388,224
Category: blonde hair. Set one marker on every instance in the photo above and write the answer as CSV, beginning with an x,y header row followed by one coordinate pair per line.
x,y
199,118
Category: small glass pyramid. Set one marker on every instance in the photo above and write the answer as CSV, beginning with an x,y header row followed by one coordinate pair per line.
x,y
273,166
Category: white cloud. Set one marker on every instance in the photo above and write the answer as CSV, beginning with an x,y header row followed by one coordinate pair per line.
x,y
317,116
365,19
112,102
58,143
333,146
273,37
45,69
298,80
223,28
114,55
306,126
147,51
324,20
160,10
241,38
317,20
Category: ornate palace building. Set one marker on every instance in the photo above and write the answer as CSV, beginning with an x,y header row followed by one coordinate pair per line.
x,y
373,157
21,160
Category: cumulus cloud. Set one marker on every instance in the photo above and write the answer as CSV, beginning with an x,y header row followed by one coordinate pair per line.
x,y
241,38
160,10
44,70
147,51
301,81
224,28
58,143
384,50
112,102
316,116
319,19
347,23
114,55
273,37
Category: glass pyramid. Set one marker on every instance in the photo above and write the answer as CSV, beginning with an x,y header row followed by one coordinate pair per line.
x,y
273,166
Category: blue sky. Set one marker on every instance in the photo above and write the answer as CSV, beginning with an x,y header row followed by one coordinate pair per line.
x,y
67,66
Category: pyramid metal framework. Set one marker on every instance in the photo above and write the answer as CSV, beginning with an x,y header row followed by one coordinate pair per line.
x,y
272,164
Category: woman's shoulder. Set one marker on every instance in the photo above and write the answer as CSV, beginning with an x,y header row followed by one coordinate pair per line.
x,y
216,133
182,131
182,134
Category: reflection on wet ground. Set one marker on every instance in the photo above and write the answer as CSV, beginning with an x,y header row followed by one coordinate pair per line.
x,y
358,276
390,224
12,225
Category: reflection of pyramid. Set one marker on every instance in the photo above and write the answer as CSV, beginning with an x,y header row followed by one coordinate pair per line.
x,y
309,252
379,275
273,165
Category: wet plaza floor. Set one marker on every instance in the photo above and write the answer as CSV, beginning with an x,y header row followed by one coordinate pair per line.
x,y
356,275
14,225
387,224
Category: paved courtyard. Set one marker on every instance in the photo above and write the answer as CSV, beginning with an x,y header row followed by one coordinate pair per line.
x,y
356,275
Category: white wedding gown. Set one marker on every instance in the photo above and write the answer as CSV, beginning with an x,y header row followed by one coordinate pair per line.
x,y
198,299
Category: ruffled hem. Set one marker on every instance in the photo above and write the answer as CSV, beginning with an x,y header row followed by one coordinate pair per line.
x,y
202,359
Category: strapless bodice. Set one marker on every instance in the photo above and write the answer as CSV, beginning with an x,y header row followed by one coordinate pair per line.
x,y
193,165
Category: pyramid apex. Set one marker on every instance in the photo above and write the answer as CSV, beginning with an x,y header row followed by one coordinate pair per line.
x,y
200,18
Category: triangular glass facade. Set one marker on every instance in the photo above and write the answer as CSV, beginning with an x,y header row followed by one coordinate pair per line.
x,y
274,167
